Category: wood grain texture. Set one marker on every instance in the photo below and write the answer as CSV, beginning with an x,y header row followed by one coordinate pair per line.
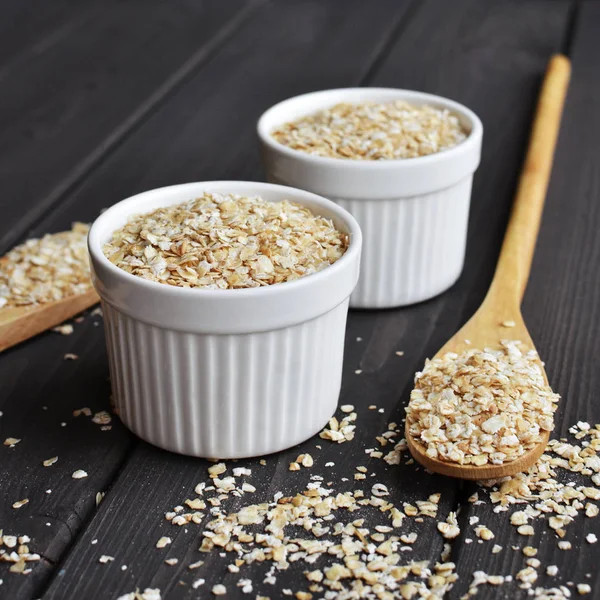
x,y
40,391
489,56
21,323
386,377
561,306
78,94
196,134
502,303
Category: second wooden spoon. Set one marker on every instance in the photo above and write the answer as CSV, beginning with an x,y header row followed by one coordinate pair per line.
x,y
502,303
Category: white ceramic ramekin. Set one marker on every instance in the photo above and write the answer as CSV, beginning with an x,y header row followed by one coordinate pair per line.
x,y
413,212
225,373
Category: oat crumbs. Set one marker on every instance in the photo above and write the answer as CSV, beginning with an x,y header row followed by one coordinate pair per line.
x,y
226,242
481,407
46,269
372,131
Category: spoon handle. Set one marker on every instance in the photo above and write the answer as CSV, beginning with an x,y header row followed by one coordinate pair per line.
x,y
514,264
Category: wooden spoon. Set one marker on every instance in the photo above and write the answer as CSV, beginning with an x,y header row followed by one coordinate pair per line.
x,y
502,303
22,322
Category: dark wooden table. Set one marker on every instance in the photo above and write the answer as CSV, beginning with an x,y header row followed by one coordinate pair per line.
x,y
100,100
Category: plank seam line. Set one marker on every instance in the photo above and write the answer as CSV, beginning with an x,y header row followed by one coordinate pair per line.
x,y
388,42
85,520
123,131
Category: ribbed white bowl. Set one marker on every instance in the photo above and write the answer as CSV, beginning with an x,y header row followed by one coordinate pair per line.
x,y
413,212
225,373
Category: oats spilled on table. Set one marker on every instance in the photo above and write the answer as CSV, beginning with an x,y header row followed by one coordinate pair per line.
x,y
373,131
45,270
226,242
481,407
342,556
14,549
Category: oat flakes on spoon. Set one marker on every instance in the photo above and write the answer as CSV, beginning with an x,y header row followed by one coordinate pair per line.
x,y
482,408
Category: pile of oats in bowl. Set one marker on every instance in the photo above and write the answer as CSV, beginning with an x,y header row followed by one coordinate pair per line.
x,y
481,407
226,242
373,131
47,269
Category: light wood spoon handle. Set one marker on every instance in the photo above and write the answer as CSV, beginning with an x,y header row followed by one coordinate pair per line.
x,y
518,247
499,317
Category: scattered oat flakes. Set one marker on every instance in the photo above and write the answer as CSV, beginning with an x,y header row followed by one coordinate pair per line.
x,y
306,460
481,531
106,559
591,538
79,474
65,329
20,503
50,461
71,356
219,590
380,490
147,594
525,530
449,529
163,541
340,431
11,441
564,545
583,588
102,418
241,471
217,470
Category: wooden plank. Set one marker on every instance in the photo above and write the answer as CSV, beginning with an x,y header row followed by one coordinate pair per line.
x,y
220,131
80,93
28,27
201,129
40,392
156,56
561,309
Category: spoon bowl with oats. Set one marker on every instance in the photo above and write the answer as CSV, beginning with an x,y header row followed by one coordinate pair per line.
x,y
482,408
44,282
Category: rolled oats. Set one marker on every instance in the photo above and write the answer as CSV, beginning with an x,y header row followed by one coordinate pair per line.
x,y
481,407
46,270
372,131
226,242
